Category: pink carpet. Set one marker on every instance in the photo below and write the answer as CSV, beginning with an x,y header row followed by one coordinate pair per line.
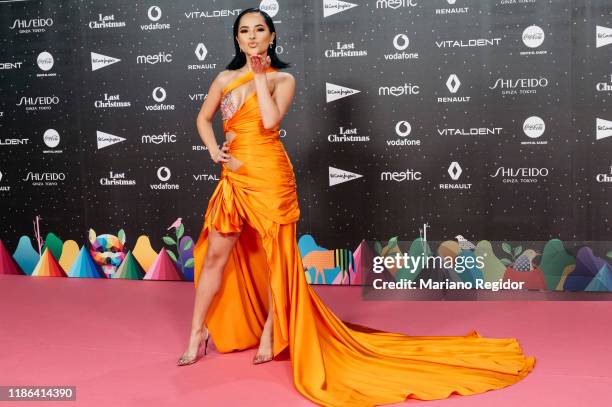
x,y
118,341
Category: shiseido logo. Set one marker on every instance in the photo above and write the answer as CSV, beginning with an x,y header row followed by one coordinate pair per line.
x,y
331,7
38,103
32,25
399,90
520,175
519,86
45,178
155,14
159,58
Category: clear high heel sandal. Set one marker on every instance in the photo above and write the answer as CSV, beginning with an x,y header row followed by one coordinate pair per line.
x,y
183,361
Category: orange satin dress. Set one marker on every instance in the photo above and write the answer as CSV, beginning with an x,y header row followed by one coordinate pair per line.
x,y
335,363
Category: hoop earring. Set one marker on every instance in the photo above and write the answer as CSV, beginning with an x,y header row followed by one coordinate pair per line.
x,y
270,45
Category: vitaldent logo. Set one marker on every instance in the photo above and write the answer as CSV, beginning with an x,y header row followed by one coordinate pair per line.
x,y
161,57
519,86
40,103
470,131
454,171
105,139
533,37
523,175
104,22
452,10
8,66
201,52
349,135
45,179
331,7
335,92
159,95
99,61
51,138
14,141
344,50
471,43
338,176
116,179
604,178
205,177
33,25
401,42
403,130
155,14
164,138
603,129
399,90
111,102
534,127
3,188
401,176
164,175
603,36
395,4
194,14
197,97
453,84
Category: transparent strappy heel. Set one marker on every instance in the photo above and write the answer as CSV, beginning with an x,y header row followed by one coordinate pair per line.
x,y
183,361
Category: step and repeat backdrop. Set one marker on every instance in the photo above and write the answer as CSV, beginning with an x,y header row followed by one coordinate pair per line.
x,y
455,120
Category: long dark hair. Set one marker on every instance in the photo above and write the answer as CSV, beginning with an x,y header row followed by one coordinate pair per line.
x,y
240,58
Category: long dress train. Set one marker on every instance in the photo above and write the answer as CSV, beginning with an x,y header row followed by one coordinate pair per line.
x,y
334,362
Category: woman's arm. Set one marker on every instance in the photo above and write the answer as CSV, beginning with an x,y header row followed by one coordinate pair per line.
x,y
274,107
205,118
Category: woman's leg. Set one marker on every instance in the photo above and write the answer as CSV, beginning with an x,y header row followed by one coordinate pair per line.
x,y
218,252
265,351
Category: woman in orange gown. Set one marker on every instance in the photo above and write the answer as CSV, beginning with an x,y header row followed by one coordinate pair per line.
x,y
250,283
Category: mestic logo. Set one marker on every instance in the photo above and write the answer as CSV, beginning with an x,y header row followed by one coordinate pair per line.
x,y
603,36
395,4
534,127
335,92
161,57
331,7
338,176
400,176
533,36
405,89
604,129
105,139
99,61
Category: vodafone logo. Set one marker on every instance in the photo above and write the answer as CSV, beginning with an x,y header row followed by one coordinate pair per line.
x,y
401,42
159,94
163,174
154,13
403,128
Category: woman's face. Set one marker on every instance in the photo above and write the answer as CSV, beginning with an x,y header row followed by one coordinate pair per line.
x,y
254,36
